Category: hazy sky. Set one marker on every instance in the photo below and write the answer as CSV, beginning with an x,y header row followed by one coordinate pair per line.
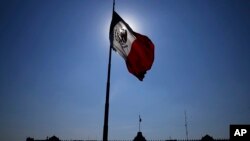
x,y
53,69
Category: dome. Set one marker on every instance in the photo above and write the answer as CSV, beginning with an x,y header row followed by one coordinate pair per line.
x,y
139,137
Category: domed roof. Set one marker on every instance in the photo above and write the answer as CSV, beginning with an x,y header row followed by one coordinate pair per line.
x,y
139,137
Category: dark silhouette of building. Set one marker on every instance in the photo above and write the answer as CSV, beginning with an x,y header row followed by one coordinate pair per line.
x,y
53,138
139,137
30,139
207,138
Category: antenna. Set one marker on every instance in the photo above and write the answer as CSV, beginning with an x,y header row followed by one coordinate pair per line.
x,y
186,125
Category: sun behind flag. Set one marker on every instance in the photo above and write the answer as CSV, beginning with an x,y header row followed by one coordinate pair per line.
x,y
136,49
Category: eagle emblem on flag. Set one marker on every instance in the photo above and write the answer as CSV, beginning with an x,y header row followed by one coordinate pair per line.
x,y
121,36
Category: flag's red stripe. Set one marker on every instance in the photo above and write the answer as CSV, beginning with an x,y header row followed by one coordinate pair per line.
x,y
141,56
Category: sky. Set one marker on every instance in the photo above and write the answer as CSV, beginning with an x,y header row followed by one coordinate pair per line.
x,y
54,56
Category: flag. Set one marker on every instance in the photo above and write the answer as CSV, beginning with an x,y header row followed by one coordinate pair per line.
x,y
136,49
139,118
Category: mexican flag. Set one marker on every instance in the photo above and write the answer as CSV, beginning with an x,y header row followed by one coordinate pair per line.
x,y
136,49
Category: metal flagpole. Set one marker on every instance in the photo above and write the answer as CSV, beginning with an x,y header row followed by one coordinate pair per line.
x,y
186,125
139,123
106,114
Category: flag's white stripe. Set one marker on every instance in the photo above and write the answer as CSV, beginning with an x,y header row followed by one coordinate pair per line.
x,y
122,39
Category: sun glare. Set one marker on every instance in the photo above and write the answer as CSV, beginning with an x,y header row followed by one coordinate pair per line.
x,y
131,21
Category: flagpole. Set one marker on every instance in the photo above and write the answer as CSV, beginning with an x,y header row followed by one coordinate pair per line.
x,y
106,114
139,123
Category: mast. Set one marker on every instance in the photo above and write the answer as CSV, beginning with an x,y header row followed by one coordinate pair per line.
x,y
186,125
106,113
